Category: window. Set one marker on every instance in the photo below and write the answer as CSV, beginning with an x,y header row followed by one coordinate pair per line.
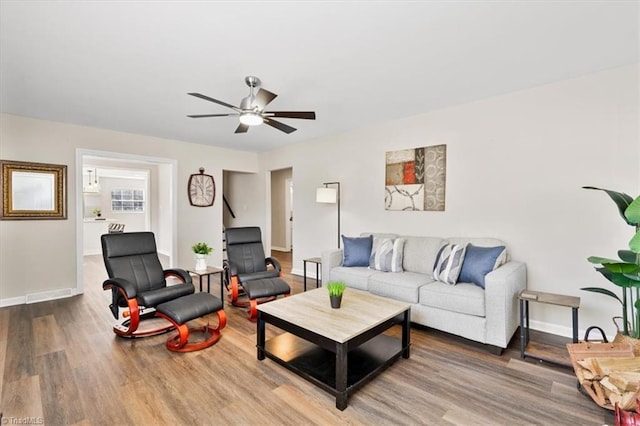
x,y
127,200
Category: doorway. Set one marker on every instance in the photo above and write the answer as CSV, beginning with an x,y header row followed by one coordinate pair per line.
x,y
282,210
155,179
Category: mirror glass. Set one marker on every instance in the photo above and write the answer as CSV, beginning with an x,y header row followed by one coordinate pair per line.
x,y
32,191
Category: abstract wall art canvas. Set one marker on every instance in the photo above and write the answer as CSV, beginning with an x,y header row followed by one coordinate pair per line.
x,y
416,179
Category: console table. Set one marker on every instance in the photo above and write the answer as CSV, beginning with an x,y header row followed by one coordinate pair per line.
x,y
541,351
208,272
318,263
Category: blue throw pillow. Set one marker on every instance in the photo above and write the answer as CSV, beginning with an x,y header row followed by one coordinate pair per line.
x,y
478,262
357,250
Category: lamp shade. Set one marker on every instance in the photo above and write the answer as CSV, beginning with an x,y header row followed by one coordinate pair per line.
x,y
326,195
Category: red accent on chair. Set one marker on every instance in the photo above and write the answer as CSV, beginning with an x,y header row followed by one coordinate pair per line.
x,y
180,342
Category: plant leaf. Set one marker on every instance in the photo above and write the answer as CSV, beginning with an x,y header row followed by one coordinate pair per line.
x,y
621,199
621,268
601,260
618,279
602,291
634,244
629,256
632,213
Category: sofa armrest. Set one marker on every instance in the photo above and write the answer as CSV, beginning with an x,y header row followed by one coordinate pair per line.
x,y
330,259
502,287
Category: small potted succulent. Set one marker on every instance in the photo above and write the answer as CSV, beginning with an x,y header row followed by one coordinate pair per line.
x,y
336,290
97,212
201,250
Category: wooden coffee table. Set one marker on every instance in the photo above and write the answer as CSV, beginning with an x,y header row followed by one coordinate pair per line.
x,y
338,350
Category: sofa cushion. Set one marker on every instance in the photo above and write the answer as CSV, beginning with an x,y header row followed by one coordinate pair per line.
x,y
420,254
464,298
403,286
357,250
479,261
386,254
355,277
449,263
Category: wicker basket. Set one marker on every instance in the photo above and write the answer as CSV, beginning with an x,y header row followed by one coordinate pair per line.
x,y
621,338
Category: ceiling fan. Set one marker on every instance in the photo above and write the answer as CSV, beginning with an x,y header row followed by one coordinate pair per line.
x,y
251,110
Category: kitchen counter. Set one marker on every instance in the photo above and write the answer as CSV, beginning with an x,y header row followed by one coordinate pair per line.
x,y
92,229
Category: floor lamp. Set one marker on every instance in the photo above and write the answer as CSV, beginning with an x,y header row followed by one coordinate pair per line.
x,y
331,196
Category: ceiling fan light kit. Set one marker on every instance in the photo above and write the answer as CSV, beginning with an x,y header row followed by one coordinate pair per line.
x,y
251,110
251,119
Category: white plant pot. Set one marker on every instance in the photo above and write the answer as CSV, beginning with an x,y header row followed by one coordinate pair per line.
x,y
201,263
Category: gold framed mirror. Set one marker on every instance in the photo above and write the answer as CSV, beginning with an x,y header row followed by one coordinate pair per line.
x,y
33,190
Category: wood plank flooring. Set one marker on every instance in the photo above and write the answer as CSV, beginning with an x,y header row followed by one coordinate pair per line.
x,y
60,362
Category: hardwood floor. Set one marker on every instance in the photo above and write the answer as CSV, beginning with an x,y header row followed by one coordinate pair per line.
x,y
61,363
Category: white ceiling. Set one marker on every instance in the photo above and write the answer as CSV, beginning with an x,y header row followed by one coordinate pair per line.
x,y
128,66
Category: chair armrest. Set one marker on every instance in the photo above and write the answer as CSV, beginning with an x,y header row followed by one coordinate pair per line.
x,y
330,259
126,286
273,262
502,287
181,274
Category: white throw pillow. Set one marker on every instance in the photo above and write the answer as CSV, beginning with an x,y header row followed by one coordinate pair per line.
x,y
387,254
449,263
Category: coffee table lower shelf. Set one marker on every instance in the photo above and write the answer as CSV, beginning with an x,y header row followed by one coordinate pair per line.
x,y
318,365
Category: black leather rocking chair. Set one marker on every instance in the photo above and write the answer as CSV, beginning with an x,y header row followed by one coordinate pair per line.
x,y
248,273
138,282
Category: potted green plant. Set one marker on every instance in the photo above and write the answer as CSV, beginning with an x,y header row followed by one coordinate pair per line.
x,y
336,290
625,272
201,250
97,212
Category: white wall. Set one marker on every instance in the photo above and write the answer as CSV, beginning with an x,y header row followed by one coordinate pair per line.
x,y
515,167
27,139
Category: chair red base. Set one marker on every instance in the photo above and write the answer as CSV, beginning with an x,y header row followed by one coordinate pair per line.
x,y
253,309
180,342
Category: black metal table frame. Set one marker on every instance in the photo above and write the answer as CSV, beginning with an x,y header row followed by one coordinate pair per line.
x,y
304,267
524,330
208,274
341,350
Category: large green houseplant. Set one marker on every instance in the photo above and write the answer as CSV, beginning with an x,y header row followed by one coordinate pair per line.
x,y
625,272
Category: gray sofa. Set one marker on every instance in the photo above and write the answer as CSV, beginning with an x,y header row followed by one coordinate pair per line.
x,y
488,315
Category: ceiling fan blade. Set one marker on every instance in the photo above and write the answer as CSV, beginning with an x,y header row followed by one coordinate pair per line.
x,y
263,98
278,125
305,115
242,128
215,101
211,115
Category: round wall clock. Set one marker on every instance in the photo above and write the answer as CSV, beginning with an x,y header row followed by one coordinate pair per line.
x,y
201,189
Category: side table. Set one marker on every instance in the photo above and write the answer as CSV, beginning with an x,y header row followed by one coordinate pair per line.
x,y
318,263
541,351
208,272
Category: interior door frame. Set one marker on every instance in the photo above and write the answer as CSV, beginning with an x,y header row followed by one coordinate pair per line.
x,y
173,190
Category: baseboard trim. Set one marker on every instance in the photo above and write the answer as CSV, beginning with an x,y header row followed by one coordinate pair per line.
x,y
12,301
300,273
44,296
565,331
